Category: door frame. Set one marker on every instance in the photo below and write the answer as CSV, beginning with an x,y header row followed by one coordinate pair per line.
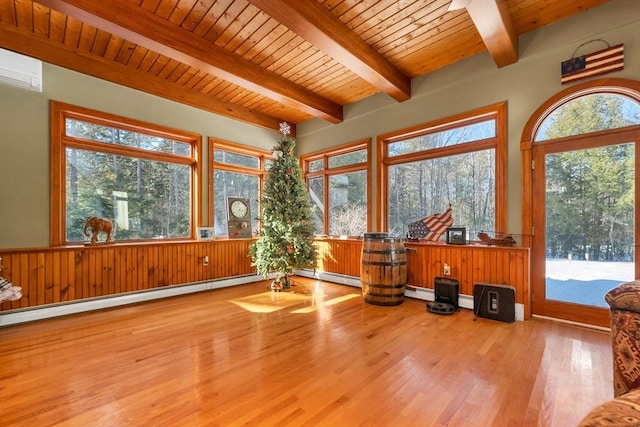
x,y
561,309
533,156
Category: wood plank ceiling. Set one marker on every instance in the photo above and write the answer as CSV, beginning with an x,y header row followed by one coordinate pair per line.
x,y
265,61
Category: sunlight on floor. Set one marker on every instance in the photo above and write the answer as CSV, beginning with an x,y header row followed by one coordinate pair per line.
x,y
267,302
327,303
310,299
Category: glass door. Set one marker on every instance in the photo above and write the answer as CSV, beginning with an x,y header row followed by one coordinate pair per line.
x,y
584,224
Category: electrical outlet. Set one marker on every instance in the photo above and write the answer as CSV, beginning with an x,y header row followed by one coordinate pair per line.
x,y
205,260
447,269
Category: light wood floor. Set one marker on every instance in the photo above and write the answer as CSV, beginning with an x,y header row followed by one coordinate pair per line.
x,y
317,355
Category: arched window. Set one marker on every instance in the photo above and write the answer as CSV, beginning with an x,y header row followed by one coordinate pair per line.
x,y
589,113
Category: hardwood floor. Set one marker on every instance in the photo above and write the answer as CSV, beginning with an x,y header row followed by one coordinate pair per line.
x,y
315,356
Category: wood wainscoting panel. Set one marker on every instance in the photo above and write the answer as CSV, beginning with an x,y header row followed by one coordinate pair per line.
x,y
471,264
339,256
65,274
59,275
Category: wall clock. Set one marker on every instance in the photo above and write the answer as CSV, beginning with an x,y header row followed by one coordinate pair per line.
x,y
239,209
238,217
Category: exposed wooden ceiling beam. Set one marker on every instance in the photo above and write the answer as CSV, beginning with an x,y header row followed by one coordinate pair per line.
x,y
314,23
140,26
493,22
27,43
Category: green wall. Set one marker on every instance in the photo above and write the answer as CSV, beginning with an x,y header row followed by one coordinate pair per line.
x,y
24,142
472,83
476,82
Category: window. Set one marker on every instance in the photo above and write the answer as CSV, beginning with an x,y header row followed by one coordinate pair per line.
x,y
337,180
141,176
235,171
459,161
592,112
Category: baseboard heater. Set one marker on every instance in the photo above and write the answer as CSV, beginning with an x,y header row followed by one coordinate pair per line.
x,y
497,302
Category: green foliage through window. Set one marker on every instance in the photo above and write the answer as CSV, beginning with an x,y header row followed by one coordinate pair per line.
x,y
590,203
146,199
589,113
139,176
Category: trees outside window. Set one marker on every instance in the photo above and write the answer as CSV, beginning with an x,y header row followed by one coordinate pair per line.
x,y
337,180
590,192
138,175
459,161
580,186
235,171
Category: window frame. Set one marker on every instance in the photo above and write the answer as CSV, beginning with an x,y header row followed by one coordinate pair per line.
x,y
498,143
326,172
60,112
232,147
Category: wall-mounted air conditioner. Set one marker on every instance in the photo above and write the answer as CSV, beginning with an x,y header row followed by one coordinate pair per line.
x,y
19,70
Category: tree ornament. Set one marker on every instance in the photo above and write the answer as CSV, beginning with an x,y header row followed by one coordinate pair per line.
x,y
285,129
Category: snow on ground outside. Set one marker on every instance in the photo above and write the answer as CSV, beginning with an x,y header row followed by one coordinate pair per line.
x,y
585,282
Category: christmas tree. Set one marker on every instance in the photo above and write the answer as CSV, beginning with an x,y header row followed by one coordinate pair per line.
x,y
286,240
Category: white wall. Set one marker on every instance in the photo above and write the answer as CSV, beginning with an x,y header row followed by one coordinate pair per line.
x,y
476,82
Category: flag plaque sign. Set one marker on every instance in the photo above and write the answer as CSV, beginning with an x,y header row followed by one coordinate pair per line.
x,y
593,64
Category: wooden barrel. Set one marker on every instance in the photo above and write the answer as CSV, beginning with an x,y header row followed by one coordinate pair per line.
x,y
383,272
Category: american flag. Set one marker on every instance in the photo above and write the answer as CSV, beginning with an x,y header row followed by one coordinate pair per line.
x,y
431,227
593,64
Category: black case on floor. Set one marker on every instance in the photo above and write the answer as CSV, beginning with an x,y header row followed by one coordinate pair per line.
x,y
497,302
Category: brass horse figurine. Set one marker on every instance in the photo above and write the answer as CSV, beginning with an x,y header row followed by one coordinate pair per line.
x,y
99,225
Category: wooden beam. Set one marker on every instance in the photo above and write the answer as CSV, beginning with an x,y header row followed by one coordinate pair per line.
x,y
312,21
142,27
27,43
458,4
493,22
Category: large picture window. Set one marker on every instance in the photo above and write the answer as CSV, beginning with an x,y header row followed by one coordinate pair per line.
x,y
459,161
337,180
138,175
235,171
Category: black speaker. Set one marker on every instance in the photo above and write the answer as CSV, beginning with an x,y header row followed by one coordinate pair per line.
x,y
495,302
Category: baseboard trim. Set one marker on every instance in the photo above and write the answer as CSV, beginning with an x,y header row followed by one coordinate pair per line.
x,y
464,301
331,277
15,317
571,322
